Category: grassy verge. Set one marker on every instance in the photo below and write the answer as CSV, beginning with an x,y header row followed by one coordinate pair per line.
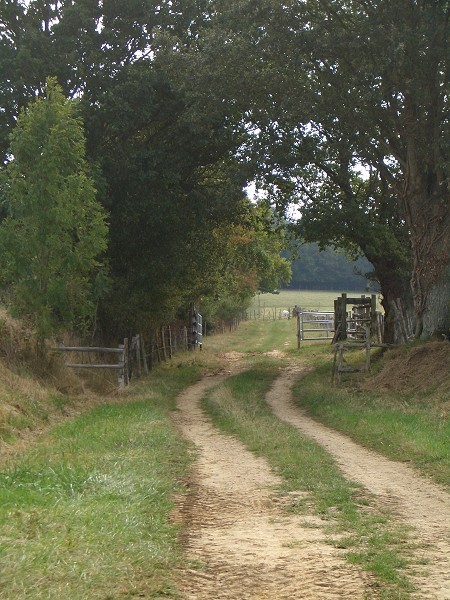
x,y
370,539
409,427
85,512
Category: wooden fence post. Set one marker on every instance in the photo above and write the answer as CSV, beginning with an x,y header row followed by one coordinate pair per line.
x,y
144,356
333,372
169,331
126,373
373,314
340,361
121,372
137,352
131,358
343,321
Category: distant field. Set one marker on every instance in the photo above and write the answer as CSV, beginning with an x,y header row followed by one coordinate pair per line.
x,y
306,299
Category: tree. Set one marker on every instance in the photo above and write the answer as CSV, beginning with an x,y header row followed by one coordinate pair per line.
x,y
389,62
164,167
360,217
172,181
248,260
330,86
55,231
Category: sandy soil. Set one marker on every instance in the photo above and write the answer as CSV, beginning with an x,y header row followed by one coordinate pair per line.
x,y
241,543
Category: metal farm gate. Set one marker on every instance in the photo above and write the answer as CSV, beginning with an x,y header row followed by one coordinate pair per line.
x,y
315,325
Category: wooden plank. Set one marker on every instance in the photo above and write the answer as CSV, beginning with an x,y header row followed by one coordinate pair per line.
x,y
86,349
359,301
86,366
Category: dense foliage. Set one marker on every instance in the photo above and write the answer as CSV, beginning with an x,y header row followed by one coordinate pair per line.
x,y
55,231
340,106
164,166
348,105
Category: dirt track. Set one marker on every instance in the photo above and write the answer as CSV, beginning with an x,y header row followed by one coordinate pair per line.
x,y
244,546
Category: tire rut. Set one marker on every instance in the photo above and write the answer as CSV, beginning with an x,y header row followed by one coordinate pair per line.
x,y
239,541
413,499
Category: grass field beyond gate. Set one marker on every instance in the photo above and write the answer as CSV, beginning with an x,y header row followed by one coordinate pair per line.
x,y
315,300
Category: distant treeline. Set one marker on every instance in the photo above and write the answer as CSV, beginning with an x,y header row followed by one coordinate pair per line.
x,y
328,270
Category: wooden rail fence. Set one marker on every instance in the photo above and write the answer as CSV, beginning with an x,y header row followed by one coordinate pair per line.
x,y
131,358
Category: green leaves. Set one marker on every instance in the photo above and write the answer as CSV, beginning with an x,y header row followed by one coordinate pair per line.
x,y
55,231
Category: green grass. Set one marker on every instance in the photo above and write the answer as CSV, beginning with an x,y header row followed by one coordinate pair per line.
x,y
406,427
413,428
315,300
257,336
85,512
238,407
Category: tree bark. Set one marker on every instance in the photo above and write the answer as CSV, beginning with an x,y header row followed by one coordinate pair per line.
x,y
392,289
436,315
426,205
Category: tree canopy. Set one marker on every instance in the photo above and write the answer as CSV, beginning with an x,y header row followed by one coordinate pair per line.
x,y
340,106
348,106
164,166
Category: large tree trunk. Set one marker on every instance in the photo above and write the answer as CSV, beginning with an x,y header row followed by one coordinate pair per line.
x,y
431,277
396,295
436,315
427,212
425,197
397,305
